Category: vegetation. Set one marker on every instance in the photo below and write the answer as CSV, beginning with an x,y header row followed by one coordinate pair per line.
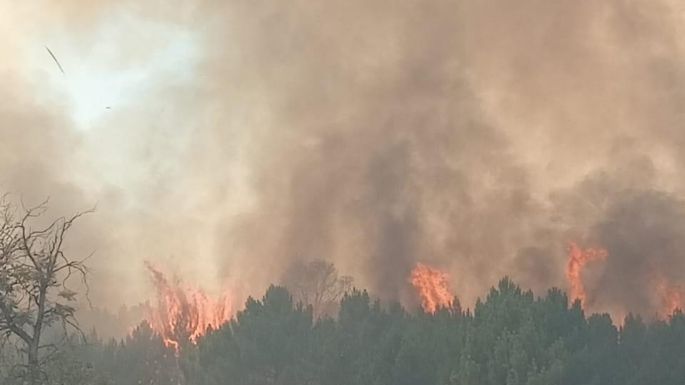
x,y
35,273
510,338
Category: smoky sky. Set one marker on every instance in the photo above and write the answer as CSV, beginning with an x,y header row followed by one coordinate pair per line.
x,y
479,137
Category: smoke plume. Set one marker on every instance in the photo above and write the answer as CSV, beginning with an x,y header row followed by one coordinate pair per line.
x,y
479,137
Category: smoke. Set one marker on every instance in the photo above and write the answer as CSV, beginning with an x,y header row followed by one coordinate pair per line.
x,y
478,137
481,137
382,155
645,233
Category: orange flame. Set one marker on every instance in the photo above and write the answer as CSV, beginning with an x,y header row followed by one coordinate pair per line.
x,y
184,314
577,259
432,287
672,297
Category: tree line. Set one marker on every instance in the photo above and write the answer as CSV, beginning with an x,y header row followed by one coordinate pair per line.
x,y
510,337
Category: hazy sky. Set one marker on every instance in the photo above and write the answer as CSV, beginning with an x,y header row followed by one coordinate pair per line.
x,y
118,138
227,139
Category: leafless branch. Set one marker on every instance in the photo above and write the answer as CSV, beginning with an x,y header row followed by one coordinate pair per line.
x,y
34,270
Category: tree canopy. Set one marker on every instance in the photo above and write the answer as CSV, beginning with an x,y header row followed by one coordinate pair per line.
x,y
511,337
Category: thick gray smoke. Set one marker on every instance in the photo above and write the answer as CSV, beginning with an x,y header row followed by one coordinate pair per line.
x,y
479,137
645,233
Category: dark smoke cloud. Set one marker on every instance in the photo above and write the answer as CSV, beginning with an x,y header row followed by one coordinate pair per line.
x,y
378,156
479,137
644,234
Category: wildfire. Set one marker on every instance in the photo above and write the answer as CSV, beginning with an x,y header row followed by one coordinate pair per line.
x,y
432,287
184,314
672,297
577,259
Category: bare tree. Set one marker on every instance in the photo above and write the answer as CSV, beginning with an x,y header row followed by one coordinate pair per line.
x,y
316,283
34,277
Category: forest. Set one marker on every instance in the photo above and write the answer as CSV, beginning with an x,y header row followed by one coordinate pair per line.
x,y
316,328
351,192
510,337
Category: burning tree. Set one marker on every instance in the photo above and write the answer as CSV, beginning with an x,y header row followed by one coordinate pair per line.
x,y
672,297
433,288
183,314
577,259
34,277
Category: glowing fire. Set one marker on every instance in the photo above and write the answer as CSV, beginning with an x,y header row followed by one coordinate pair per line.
x,y
184,314
672,297
577,259
432,287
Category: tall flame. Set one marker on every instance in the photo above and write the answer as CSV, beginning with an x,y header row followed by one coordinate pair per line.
x,y
432,287
184,314
577,259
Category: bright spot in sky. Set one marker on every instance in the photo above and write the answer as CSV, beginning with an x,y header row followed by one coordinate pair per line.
x,y
113,68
